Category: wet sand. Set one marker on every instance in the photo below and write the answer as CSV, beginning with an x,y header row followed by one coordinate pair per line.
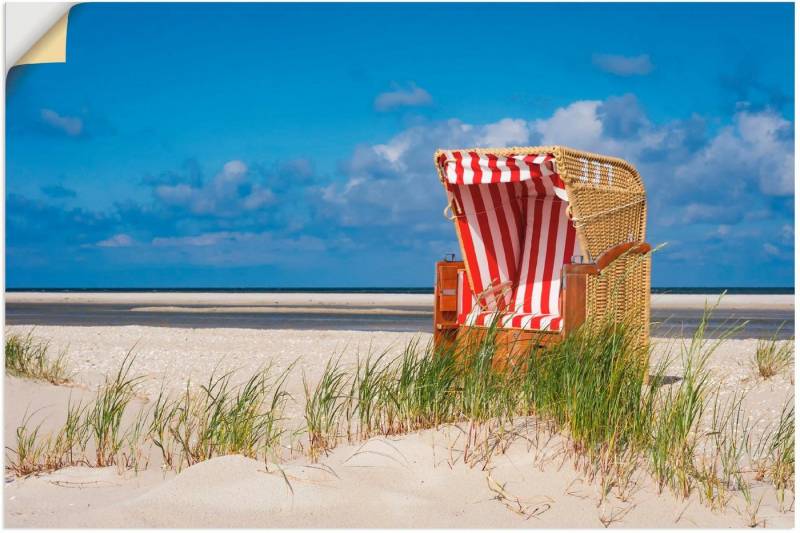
x,y
365,300
672,315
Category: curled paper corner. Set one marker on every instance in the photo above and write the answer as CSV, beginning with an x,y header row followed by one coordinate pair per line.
x,y
51,48
36,32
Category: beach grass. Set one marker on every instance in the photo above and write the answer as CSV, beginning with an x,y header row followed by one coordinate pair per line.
x,y
74,435
104,416
28,357
590,386
776,453
418,390
366,388
325,407
221,418
29,455
675,425
159,430
773,356
217,418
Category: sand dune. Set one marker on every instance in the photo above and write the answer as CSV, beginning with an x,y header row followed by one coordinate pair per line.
x,y
417,480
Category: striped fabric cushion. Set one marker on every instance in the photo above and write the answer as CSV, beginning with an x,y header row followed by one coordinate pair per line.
x,y
469,313
513,225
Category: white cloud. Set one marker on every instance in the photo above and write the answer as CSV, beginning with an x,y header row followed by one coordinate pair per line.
x,y
394,182
258,198
714,178
394,150
120,240
233,170
175,194
576,125
757,148
72,126
410,96
769,137
623,65
228,194
506,132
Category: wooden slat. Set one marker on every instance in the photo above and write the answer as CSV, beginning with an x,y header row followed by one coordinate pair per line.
x,y
448,303
573,296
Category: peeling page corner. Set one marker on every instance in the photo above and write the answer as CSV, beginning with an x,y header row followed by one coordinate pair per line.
x,y
36,33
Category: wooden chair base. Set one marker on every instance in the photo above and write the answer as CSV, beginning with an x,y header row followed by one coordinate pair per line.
x,y
511,345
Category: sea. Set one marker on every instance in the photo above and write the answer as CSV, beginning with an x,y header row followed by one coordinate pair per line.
x,y
376,290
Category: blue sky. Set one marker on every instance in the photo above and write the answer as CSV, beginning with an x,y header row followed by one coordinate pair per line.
x,y
290,145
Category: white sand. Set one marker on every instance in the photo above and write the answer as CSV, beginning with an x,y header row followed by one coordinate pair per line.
x,y
729,301
418,480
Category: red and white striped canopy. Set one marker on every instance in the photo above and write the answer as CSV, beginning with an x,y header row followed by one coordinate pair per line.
x,y
472,168
515,232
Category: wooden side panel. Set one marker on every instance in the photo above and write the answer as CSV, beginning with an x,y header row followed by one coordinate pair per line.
x,y
445,303
573,295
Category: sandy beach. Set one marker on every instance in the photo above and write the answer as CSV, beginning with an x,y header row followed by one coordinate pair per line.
x,y
415,480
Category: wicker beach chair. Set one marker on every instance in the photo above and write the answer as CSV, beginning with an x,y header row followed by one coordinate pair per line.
x,y
549,237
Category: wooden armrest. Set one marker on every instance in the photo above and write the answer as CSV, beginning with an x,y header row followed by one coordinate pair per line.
x,y
608,257
575,278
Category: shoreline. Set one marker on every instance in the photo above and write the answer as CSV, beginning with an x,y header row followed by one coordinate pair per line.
x,y
271,301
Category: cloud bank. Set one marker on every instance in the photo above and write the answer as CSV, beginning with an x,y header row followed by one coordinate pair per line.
x,y
719,194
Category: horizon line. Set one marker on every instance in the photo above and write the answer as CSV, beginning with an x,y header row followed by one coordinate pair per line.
x,y
389,288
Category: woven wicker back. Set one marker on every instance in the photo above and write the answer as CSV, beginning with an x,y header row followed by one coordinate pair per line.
x,y
607,198
609,207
